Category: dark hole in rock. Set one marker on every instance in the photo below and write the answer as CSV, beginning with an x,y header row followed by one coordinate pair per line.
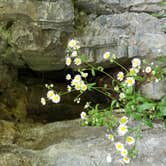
x,y
67,109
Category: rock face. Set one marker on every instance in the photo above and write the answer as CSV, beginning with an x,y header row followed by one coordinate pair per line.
x,y
112,6
71,145
126,35
37,32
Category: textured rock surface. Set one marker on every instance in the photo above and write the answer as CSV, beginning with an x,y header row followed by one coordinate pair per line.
x,y
126,35
67,144
112,6
38,32
154,90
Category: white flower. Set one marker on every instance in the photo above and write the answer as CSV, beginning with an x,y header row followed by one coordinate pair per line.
x,y
68,77
134,71
56,98
69,88
124,152
119,146
122,130
126,160
77,78
74,54
50,94
121,96
116,88
51,85
109,158
136,62
110,137
120,76
77,61
77,86
106,55
68,61
72,43
83,115
130,81
87,105
148,69
130,140
83,86
123,120
43,101
84,75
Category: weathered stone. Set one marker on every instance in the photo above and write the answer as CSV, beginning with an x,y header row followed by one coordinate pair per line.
x,y
65,144
126,35
154,90
38,32
116,6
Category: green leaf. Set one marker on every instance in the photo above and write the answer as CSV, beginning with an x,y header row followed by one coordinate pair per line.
x,y
145,106
93,72
163,110
148,122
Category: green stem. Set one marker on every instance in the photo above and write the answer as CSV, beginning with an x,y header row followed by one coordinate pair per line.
x,y
120,66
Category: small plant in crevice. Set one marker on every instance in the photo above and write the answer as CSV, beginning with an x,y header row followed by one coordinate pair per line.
x,y
127,104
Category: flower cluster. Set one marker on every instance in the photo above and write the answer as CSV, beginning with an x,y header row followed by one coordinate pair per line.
x,y
72,53
120,147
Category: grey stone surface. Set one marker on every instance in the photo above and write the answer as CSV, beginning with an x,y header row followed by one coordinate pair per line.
x,y
67,144
126,35
154,90
38,32
112,6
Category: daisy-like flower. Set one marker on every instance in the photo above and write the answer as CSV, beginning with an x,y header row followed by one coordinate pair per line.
x,y
110,137
87,105
84,75
68,61
50,94
121,96
76,79
69,88
123,120
126,160
136,62
83,86
56,98
109,158
43,101
74,54
106,55
124,152
133,71
148,69
68,77
130,81
83,115
119,146
77,86
77,61
122,130
130,140
120,76
72,43
116,88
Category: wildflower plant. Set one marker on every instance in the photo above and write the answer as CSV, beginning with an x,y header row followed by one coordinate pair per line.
x,y
128,103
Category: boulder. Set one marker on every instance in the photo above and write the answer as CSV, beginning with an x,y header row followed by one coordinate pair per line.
x,y
67,144
38,32
126,35
116,6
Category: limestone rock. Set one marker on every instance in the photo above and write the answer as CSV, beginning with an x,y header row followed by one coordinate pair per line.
x,y
67,144
154,90
126,35
116,6
38,32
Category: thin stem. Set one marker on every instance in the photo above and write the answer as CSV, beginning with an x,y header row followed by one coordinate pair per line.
x,y
120,65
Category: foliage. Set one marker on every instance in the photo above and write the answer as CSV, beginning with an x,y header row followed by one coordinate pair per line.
x,y
124,97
